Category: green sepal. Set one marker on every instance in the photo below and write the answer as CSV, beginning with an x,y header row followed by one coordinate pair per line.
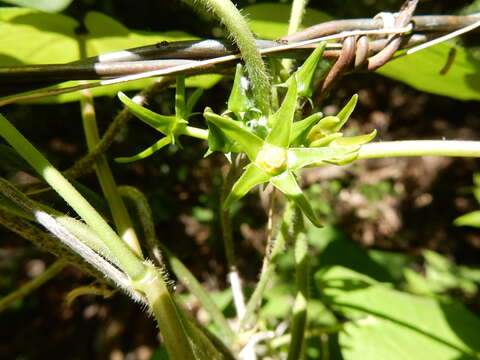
x,y
301,129
355,140
300,157
252,176
306,72
235,132
344,159
217,141
147,152
326,140
324,127
239,101
164,124
281,122
345,113
287,184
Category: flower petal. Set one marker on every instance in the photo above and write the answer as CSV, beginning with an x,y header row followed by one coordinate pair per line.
x,y
147,152
251,176
287,184
281,122
162,123
300,157
249,143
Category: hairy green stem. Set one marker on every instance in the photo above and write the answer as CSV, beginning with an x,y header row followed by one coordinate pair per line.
x,y
238,28
156,251
32,285
120,215
130,263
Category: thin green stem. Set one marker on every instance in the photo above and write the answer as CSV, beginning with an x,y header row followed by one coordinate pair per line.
x,y
455,148
196,132
129,262
299,320
238,28
296,16
32,285
120,215
268,268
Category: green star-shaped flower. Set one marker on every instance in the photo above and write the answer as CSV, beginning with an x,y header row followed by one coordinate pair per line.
x,y
273,160
172,126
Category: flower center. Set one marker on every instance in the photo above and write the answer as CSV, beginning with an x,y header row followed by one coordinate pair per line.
x,y
272,159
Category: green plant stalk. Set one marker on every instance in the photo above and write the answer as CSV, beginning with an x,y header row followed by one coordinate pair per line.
x,y
268,268
167,314
181,271
238,28
455,148
32,285
129,262
296,16
312,333
299,320
120,215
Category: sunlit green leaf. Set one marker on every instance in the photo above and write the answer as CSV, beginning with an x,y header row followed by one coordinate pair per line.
x,y
287,184
251,176
385,323
43,5
270,20
443,69
325,140
470,219
282,121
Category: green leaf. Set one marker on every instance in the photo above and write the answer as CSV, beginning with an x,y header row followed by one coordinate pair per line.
x,y
270,20
301,157
193,99
422,70
325,140
251,176
164,124
250,143
147,152
282,121
306,72
239,102
217,141
389,324
43,5
301,128
470,219
287,184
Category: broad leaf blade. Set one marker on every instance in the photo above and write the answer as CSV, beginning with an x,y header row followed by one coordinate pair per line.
x,y
282,121
251,176
43,5
389,324
301,157
287,184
